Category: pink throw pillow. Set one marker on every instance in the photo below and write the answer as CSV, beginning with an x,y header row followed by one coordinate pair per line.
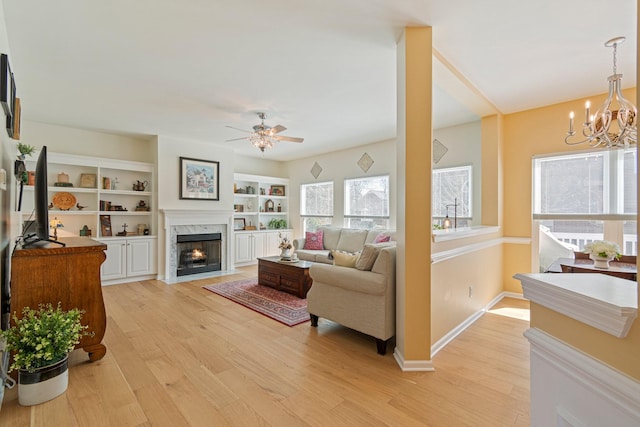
x,y
313,241
382,238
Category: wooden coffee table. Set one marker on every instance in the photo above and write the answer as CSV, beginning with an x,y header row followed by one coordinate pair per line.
x,y
290,277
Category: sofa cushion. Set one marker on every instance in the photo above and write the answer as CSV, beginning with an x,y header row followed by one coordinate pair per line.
x,y
370,255
314,256
313,241
352,240
345,259
365,282
331,236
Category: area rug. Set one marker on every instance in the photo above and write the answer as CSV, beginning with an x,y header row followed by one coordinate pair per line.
x,y
280,306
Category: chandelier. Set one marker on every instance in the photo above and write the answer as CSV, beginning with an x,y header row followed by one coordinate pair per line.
x,y
608,127
261,141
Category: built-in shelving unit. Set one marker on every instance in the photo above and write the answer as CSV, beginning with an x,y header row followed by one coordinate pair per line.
x,y
114,200
259,201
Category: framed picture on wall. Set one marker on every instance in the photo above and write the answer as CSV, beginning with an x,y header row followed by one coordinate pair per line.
x,y
239,224
199,179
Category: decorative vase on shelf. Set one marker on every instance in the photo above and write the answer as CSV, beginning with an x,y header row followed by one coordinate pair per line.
x,y
599,261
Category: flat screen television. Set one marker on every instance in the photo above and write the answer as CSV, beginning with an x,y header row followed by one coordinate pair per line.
x,y
41,204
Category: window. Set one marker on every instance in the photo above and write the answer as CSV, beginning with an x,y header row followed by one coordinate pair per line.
x,y
366,202
588,196
316,205
451,186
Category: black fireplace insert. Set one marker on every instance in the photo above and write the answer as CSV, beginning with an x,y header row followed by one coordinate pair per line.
x,y
199,253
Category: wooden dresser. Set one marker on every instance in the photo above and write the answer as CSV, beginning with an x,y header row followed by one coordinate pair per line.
x,y
69,274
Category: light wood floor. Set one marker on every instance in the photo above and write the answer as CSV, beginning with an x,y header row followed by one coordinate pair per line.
x,y
178,355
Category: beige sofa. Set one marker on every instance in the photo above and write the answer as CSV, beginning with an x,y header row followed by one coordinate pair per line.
x,y
361,299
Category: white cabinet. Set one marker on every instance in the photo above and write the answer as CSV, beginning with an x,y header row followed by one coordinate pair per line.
x,y
250,245
129,258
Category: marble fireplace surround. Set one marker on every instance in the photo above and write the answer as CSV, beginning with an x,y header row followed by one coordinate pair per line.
x,y
195,222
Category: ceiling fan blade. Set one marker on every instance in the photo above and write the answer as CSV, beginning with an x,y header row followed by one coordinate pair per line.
x,y
241,130
235,139
277,129
288,138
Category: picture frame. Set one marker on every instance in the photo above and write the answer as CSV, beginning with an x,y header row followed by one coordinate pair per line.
x,y
88,180
105,226
7,85
239,224
17,110
199,179
277,190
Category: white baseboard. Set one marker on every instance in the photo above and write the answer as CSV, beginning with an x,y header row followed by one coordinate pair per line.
x,y
412,365
442,342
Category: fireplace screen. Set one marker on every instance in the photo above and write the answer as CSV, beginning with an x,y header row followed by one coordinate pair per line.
x,y
199,253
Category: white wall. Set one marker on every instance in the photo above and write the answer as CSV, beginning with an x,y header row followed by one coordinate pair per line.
x,y
258,166
63,139
464,143
337,166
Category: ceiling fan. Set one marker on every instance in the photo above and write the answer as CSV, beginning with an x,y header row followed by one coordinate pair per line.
x,y
264,136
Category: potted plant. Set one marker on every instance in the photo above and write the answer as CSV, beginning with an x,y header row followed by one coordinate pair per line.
x,y
601,252
25,150
40,342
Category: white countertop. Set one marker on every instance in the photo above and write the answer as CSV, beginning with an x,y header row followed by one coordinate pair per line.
x,y
604,302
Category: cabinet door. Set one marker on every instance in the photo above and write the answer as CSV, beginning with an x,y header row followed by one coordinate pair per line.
x,y
258,245
271,243
243,248
141,257
114,267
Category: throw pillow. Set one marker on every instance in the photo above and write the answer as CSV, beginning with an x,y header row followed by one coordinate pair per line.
x,y
345,259
381,238
313,241
368,257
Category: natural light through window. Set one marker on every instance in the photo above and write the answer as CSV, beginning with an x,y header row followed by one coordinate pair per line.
x,y
316,205
587,196
366,202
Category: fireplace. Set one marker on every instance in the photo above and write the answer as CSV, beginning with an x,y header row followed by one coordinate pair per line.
x,y
198,253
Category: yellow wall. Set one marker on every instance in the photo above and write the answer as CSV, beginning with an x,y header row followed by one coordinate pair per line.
x,y
542,131
414,204
451,303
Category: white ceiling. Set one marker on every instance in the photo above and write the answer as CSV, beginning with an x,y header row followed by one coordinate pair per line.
x,y
326,69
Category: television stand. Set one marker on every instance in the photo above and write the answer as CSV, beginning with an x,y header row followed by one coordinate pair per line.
x,y
69,275
32,239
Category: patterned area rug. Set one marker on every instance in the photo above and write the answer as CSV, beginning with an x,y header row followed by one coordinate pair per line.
x,y
280,306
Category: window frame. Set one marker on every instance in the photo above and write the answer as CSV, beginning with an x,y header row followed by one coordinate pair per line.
x,y
469,201
305,216
347,217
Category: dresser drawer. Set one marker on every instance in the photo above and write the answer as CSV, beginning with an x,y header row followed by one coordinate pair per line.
x,y
269,279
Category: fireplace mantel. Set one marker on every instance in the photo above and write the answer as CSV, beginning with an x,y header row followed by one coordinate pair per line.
x,y
204,219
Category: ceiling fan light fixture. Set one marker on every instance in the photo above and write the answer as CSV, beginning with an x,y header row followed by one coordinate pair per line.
x,y
261,141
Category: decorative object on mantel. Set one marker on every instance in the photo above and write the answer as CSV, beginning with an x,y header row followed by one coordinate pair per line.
x,y
365,162
602,252
439,150
316,169
596,129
